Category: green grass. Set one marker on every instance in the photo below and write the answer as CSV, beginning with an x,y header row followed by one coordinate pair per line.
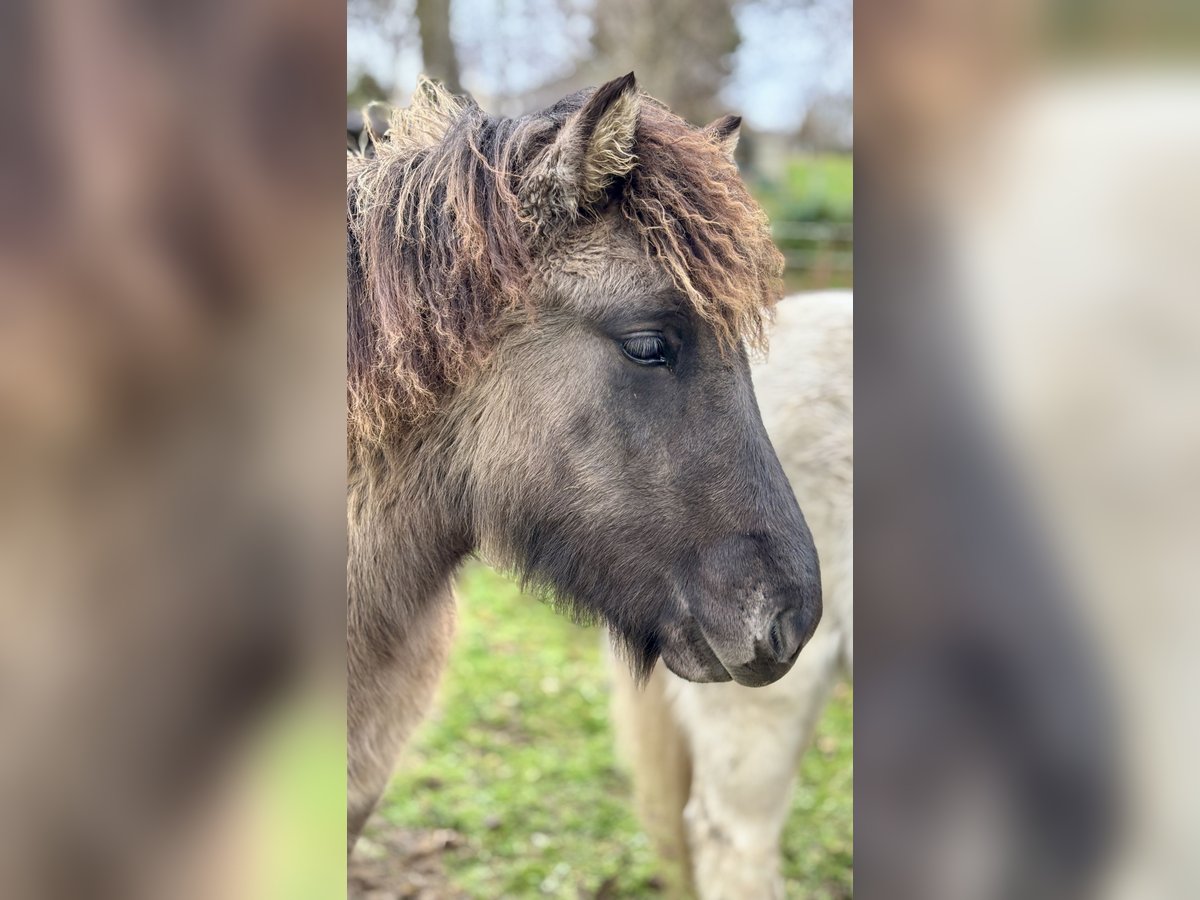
x,y
519,758
811,189
811,206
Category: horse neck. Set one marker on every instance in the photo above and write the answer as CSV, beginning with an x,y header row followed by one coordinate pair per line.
x,y
407,536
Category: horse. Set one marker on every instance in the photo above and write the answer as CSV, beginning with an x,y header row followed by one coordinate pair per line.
x,y
549,321
714,764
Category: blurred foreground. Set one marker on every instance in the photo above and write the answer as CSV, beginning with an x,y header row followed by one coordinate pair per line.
x,y
171,450
1028,489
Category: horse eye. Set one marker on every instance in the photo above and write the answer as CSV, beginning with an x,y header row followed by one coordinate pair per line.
x,y
647,349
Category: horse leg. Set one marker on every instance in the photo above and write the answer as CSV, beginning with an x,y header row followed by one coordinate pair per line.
x,y
391,683
745,744
655,748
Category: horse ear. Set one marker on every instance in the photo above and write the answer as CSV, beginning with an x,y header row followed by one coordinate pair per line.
x,y
724,133
593,149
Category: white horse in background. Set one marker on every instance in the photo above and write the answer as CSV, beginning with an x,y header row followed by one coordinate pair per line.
x,y
714,765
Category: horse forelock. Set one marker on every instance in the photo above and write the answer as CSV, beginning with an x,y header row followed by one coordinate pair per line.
x,y
438,244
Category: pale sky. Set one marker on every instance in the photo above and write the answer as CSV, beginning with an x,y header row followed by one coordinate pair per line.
x,y
790,53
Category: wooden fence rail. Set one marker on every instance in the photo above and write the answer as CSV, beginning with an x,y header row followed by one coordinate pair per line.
x,y
816,254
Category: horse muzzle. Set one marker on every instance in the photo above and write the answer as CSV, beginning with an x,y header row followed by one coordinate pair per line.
x,y
693,656
775,655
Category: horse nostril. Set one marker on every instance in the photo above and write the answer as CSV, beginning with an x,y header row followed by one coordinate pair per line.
x,y
786,635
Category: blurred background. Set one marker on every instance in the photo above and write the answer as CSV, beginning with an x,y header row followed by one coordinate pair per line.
x,y
513,787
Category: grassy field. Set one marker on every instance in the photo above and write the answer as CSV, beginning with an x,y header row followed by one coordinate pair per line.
x,y
519,758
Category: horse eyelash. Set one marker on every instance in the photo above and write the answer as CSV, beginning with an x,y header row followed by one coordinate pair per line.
x,y
659,344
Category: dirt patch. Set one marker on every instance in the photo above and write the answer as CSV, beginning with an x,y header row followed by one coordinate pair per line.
x,y
392,863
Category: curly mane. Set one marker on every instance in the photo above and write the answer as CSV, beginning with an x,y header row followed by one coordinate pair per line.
x,y
441,240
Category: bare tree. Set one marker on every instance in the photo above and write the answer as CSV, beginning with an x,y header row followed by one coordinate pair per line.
x,y
437,47
401,23
680,49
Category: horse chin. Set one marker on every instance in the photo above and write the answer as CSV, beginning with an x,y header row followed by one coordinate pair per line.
x,y
694,661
